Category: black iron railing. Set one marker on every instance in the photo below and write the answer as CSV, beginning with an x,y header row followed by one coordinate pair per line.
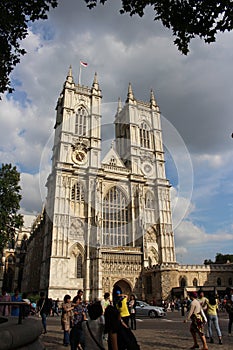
x,y
20,304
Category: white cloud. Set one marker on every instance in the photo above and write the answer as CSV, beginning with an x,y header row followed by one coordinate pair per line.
x,y
193,92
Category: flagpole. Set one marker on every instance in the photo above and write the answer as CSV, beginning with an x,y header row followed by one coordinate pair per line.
x,y
79,76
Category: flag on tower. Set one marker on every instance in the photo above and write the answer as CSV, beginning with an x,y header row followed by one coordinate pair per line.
x,y
84,64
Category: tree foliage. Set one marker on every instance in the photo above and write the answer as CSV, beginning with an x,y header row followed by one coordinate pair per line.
x,y
223,258
10,198
14,19
220,259
186,18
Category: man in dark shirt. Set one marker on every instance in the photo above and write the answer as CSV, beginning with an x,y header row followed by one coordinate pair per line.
x,y
44,306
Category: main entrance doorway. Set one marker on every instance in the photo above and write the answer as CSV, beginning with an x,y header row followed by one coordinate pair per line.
x,y
123,286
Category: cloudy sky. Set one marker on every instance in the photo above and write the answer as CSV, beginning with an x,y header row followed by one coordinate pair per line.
x,y
195,95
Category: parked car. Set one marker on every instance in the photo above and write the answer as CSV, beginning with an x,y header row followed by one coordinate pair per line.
x,y
144,309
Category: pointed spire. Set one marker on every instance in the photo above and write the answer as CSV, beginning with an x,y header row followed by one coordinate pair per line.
x,y
70,72
153,103
95,84
69,77
130,96
119,107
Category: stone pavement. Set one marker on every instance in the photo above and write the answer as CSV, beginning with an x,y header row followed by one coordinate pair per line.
x,y
160,334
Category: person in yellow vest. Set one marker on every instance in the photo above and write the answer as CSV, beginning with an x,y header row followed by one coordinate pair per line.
x,y
122,306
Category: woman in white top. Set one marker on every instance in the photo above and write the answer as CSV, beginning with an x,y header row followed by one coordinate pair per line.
x,y
197,325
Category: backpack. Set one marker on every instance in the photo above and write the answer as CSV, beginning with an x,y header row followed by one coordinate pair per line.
x,y
126,339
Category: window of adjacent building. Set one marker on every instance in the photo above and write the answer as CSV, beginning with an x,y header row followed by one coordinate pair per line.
x,y
144,135
219,282
195,282
149,285
183,282
115,218
230,281
81,122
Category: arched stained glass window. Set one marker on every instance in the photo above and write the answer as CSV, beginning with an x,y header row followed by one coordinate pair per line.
x,y
79,266
115,218
144,135
77,193
149,200
183,282
81,122
195,282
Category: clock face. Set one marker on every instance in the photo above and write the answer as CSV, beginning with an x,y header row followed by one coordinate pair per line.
x,y
147,168
79,156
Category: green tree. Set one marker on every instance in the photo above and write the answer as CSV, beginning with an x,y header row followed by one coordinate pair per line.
x,y
186,18
15,16
223,258
10,198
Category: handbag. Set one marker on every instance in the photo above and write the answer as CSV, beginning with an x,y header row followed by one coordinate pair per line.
x,y
203,316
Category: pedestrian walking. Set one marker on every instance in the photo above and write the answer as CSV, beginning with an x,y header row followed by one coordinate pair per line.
x,y
76,333
212,318
44,307
132,311
105,301
197,322
66,318
122,307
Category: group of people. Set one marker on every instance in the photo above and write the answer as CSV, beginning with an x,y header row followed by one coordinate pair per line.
x,y
204,310
88,326
10,310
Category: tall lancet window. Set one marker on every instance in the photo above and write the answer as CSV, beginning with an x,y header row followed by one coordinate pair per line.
x,y
149,200
115,218
77,193
79,266
81,122
144,135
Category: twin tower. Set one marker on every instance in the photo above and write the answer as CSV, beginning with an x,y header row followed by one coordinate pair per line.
x,y
107,219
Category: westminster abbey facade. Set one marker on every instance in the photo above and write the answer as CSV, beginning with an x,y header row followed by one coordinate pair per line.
x,y
107,221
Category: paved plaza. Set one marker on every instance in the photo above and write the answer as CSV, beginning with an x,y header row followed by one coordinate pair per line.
x,y
160,334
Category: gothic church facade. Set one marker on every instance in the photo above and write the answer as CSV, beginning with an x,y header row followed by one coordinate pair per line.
x,y
105,219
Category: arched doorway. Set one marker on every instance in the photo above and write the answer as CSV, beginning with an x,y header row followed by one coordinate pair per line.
x,y
123,286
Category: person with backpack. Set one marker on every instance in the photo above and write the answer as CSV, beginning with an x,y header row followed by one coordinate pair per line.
x,y
120,336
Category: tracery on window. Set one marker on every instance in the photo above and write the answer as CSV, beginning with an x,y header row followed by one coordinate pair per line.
x,y
144,135
77,193
79,266
115,218
149,200
81,122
